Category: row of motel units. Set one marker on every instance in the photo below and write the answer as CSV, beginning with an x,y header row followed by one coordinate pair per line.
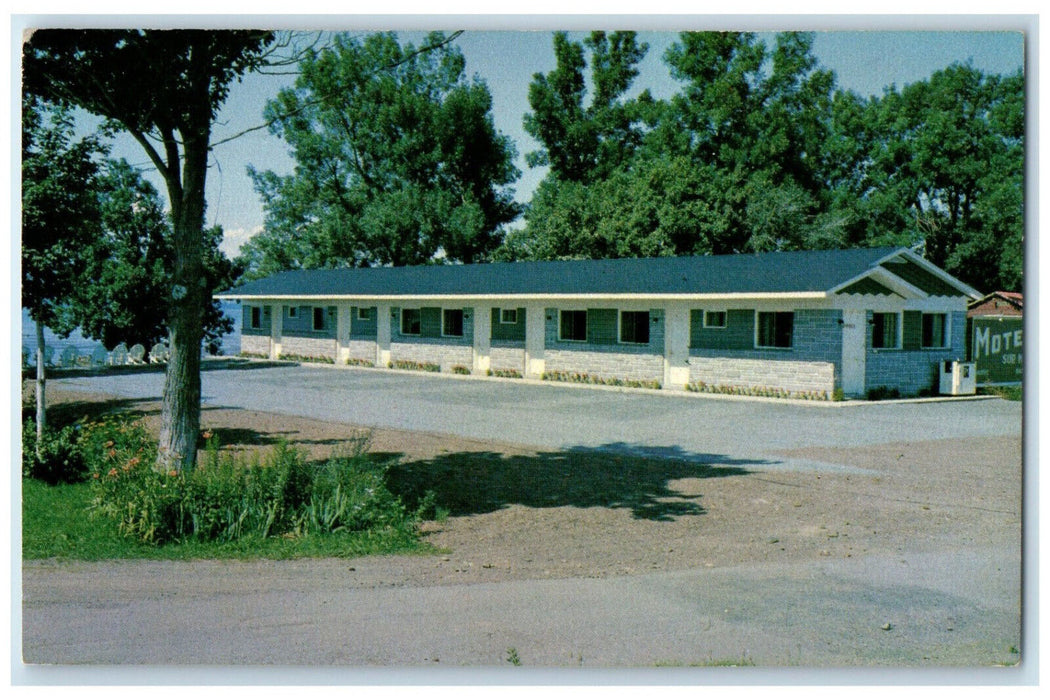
x,y
808,323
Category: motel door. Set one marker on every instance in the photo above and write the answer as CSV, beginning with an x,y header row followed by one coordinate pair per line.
x,y
854,350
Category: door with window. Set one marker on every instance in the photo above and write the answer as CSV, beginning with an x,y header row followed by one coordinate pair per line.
x,y
854,351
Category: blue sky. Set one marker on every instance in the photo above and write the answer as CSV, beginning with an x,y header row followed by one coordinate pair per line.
x,y
863,61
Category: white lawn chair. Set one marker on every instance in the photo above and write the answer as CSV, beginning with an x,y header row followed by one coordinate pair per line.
x,y
159,353
136,354
99,356
119,356
68,358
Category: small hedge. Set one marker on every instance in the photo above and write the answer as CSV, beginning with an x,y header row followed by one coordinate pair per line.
x,y
414,366
227,498
586,378
756,391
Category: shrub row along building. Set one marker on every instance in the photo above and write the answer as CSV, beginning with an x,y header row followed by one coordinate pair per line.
x,y
811,324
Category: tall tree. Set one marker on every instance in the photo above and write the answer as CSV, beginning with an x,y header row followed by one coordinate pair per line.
x,y
397,161
123,295
164,88
941,166
586,142
60,216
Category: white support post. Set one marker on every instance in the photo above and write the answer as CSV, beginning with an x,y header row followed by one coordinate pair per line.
x,y
535,340
676,347
342,333
382,335
482,339
276,330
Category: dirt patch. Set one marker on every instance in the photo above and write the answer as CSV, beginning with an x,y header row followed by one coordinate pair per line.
x,y
516,512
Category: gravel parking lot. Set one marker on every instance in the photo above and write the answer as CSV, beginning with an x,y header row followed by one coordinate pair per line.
x,y
607,530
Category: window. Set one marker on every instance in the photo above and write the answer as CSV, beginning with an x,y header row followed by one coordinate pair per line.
x,y
256,317
410,321
319,319
934,330
885,331
509,316
634,327
714,319
364,313
573,326
775,329
293,311
452,323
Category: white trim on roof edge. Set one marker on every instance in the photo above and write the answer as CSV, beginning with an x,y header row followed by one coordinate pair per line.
x,y
524,297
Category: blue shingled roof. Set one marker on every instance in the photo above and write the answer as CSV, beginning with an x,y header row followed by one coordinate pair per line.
x,y
780,272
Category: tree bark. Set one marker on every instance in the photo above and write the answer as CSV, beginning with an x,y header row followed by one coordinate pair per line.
x,y
181,407
41,381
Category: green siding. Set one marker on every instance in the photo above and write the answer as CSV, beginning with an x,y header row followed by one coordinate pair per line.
x,y
364,328
868,286
911,338
508,331
918,277
430,322
739,333
601,326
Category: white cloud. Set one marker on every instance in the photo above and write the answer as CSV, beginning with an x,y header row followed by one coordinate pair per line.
x,y
233,239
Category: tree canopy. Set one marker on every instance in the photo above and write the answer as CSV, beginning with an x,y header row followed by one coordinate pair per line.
x,y
164,88
758,150
397,161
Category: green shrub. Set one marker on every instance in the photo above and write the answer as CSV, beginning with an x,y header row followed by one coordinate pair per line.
x,y
60,459
227,499
882,393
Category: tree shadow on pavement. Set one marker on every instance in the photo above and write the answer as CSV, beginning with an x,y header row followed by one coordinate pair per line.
x,y
611,476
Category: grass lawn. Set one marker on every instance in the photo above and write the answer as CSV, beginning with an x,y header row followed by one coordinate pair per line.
x,y
57,523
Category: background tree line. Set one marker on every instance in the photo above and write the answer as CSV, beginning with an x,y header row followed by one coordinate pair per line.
x,y
758,150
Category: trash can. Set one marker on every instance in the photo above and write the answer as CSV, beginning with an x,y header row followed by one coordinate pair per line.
x,y
958,378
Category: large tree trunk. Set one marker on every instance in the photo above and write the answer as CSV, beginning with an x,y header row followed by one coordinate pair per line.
x,y
41,381
181,409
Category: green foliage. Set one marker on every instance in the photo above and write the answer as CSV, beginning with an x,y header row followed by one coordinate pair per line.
x,y
460,369
226,499
397,158
504,373
292,357
587,378
883,393
414,366
58,457
768,392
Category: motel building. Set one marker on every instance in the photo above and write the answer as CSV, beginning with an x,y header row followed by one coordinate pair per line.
x,y
815,325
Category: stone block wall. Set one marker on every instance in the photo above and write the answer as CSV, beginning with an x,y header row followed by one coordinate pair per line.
x,y
432,350
607,364
363,350
786,375
507,356
255,344
308,347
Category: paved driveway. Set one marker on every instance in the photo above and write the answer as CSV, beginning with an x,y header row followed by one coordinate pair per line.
x,y
563,417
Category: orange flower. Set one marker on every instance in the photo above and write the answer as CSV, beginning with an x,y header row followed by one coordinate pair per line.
x,y
133,462
173,473
109,443
112,453
113,471
207,435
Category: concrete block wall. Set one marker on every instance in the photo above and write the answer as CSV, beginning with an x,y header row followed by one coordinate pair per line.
x,y
433,350
914,371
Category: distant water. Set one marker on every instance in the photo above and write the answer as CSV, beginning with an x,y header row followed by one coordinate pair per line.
x,y
231,342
